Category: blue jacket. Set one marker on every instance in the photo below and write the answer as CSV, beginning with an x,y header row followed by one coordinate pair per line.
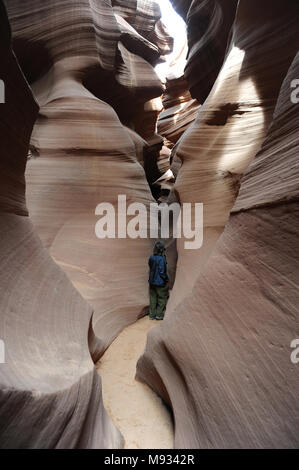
x,y
158,271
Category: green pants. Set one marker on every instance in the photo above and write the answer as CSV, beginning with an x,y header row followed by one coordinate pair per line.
x,y
158,301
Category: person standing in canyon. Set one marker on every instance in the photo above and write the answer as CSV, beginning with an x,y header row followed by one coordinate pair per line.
x,y
158,282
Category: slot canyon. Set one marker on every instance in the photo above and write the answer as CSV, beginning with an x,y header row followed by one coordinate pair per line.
x,y
88,116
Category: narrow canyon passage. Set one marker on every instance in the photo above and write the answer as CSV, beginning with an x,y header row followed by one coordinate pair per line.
x,y
135,409
123,122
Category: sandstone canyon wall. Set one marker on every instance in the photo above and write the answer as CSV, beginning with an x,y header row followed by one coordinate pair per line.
x,y
93,77
209,25
232,122
82,102
221,359
50,391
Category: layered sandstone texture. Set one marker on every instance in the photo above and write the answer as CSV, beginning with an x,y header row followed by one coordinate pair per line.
x,y
232,122
94,79
50,391
209,25
221,359
179,108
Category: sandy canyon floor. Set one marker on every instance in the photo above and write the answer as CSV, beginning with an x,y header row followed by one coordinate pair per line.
x,y
135,409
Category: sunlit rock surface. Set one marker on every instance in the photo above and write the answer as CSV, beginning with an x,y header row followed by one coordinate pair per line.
x,y
232,124
221,358
180,109
209,25
93,73
50,391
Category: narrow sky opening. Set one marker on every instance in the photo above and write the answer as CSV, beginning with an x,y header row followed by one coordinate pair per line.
x,y
177,28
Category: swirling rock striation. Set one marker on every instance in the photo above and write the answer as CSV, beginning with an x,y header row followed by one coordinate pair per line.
x,y
96,76
221,359
50,392
180,110
232,123
209,25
